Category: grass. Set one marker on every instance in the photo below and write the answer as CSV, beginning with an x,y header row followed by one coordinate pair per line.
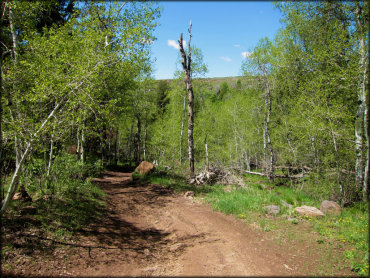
x,y
348,231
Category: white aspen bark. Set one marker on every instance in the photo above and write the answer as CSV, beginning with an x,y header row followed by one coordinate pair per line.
x,y
206,147
50,154
235,134
17,144
265,145
16,175
145,138
270,173
362,146
82,146
138,140
78,142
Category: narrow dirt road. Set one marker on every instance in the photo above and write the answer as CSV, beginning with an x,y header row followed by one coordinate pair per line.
x,y
151,231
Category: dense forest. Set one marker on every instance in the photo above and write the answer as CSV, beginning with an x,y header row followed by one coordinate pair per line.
x,y
77,95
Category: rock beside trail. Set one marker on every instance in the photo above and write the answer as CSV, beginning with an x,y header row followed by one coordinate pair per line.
x,y
329,207
144,168
23,196
308,211
189,194
272,210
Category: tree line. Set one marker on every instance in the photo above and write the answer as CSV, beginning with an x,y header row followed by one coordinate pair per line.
x,y
77,77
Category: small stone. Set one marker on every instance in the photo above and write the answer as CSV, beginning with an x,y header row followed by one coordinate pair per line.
x,y
329,207
189,194
146,252
308,211
273,209
17,196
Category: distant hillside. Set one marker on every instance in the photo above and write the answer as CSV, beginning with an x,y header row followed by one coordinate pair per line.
x,y
215,82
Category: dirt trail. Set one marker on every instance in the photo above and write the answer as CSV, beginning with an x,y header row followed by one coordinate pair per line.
x,y
151,231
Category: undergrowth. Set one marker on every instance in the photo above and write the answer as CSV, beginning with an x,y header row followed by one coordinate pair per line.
x,y
65,200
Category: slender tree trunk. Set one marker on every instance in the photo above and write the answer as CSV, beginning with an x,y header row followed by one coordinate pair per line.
x,y
182,128
138,142
145,138
270,173
361,135
206,147
82,146
17,143
186,64
16,175
339,179
1,116
116,147
50,154
130,142
78,142
247,158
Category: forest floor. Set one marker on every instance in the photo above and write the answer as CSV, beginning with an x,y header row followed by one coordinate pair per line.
x,y
149,230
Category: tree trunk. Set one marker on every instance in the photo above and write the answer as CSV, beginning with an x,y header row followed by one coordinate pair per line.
x,y
16,175
78,142
270,173
339,179
138,142
206,146
129,141
82,146
362,146
116,148
182,128
50,154
186,64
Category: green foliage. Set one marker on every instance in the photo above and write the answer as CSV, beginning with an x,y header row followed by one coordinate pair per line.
x,y
67,178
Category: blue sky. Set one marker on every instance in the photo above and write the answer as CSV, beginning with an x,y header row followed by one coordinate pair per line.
x,y
223,30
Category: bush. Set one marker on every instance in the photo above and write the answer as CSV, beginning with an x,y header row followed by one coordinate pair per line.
x,y
67,177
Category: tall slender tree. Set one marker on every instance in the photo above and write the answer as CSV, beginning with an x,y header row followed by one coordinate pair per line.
x,y
186,64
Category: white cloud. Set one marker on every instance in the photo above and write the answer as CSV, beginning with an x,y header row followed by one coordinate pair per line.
x,y
227,59
246,54
174,44
237,45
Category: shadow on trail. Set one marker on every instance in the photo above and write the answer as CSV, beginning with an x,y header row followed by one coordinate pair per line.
x,y
126,198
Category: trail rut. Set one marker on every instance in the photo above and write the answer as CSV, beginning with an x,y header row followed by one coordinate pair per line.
x,y
151,231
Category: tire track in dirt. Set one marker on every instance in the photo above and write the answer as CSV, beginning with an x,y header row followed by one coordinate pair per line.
x,y
151,231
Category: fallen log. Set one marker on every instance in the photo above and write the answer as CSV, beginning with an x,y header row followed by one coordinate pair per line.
x,y
299,176
255,173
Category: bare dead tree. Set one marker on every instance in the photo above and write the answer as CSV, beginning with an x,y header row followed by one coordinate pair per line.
x,y
186,64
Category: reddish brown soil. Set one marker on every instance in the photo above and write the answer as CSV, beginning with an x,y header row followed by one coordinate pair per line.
x,y
151,231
